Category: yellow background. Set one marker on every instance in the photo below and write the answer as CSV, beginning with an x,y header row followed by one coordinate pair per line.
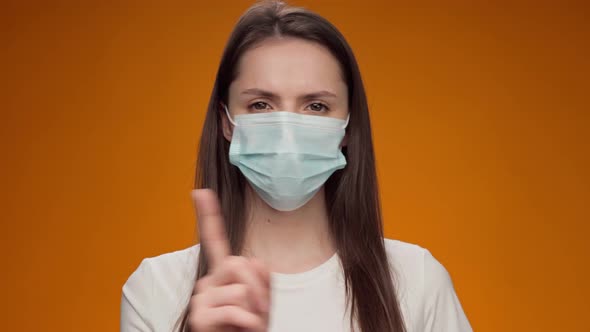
x,y
480,116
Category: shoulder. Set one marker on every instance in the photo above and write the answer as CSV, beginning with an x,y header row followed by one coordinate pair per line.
x,y
183,260
168,267
416,262
158,289
425,289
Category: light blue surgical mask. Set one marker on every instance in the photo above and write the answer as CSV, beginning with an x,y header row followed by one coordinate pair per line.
x,y
286,156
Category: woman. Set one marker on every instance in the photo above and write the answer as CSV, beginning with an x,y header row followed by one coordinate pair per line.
x,y
295,241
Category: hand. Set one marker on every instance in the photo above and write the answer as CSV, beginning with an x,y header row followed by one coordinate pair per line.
x,y
235,293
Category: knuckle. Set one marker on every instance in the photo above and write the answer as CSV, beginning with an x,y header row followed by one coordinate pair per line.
x,y
242,292
230,263
203,284
237,262
265,271
200,285
196,322
196,302
225,315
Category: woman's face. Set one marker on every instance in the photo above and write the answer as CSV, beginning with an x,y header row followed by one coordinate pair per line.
x,y
288,74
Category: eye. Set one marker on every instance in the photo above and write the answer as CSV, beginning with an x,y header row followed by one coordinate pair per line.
x,y
317,107
259,106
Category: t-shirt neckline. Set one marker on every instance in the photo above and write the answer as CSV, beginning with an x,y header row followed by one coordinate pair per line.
x,y
298,280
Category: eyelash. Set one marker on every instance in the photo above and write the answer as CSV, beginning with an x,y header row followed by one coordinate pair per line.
x,y
324,106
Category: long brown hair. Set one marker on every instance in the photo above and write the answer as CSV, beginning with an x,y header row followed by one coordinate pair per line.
x,y
351,193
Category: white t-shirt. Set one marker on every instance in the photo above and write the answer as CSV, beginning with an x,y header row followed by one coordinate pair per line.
x,y
156,293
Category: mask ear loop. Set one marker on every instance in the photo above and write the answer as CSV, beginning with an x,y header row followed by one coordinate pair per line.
x,y
229,116
347,119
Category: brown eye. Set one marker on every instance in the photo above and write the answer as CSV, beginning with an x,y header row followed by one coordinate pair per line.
x,y
259,106
317,107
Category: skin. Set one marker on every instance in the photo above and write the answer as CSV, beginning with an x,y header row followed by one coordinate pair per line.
x,y
279,74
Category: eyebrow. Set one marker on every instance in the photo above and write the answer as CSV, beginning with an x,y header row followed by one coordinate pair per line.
x,y
271,95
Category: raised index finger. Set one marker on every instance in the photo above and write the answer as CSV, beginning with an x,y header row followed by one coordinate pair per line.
x,y
212,229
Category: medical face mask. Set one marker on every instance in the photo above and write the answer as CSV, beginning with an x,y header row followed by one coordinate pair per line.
x,y
285,156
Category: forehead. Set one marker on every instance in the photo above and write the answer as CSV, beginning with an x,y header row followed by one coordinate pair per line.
x,y
289,65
